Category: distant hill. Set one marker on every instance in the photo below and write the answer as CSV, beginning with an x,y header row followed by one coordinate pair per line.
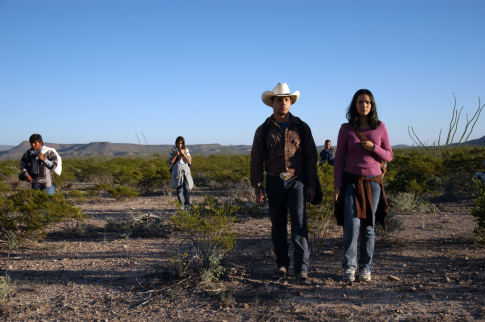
x,y
5,147
480,141
122,149
109,149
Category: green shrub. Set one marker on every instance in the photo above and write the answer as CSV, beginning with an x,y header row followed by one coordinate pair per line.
x,y
122,192
138,226
8,168
409,201
478,211
6,289
211,225
4,187
214,269
27,213
77,194
320,217
436,170
220,169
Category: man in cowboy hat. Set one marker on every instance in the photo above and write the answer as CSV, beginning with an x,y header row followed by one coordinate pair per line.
x,y
283,147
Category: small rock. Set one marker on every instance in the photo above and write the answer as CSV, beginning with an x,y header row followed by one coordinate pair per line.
x,y
447,279
393,278
246,306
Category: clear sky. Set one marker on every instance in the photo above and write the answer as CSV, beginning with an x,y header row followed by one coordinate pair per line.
x,y
79,71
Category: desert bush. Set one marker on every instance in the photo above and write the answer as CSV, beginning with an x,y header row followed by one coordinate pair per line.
x,y
6,289
8,168
27,213
220,169
478,211
242,195
410,201
436,170
412,171
4,187
211,225
153,177
146,225
122,192
77,194
214,269
320,217
394,224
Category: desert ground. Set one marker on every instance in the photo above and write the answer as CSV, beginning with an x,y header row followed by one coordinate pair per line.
x,y
432,270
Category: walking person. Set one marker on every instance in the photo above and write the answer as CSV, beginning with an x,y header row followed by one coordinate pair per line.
x,y
327,154
283,147
363,143
38,165
180,161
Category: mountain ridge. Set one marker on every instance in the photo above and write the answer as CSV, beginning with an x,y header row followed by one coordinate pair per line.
x,y
109,149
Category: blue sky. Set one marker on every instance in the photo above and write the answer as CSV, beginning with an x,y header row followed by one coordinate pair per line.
x,y
80,71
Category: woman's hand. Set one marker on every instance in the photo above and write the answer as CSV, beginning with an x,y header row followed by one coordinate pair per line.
x,y
368,145
185,156
336,193
41,156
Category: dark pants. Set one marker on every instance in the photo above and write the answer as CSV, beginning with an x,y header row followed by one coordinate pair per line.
x,y
283,196
183,193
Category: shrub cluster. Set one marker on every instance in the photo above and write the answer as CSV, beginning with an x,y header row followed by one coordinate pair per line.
x,y
211,224
435,170
478,211
27,213
320,217
145,175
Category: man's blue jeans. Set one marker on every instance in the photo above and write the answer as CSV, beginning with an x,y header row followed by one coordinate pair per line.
x,y
354,225
283,196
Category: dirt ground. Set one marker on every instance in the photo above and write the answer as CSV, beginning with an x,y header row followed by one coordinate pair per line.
x,y
431,270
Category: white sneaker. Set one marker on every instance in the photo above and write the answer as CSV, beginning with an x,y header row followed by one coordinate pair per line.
x,y
349,275
365,276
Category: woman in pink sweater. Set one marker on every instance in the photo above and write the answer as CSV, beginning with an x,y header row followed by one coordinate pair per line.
x,y
363,143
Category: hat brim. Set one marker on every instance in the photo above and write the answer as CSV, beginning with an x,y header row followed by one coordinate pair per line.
x,y
268,95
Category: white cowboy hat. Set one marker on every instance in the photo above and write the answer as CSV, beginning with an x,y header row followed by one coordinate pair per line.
x,y
281,89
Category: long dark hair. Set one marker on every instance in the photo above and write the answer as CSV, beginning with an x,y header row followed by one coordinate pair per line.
x,y
180,138
353,116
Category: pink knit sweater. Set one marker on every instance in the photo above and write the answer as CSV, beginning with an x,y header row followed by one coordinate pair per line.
x,y
351,156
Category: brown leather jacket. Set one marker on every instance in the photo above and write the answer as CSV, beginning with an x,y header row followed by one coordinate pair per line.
x,y
286,151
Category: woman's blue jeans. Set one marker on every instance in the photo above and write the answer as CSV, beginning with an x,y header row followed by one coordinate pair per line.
x,y
353,226
183,193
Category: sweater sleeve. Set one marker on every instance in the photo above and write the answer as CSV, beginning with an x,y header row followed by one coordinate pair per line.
x,y
384,151
339,161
